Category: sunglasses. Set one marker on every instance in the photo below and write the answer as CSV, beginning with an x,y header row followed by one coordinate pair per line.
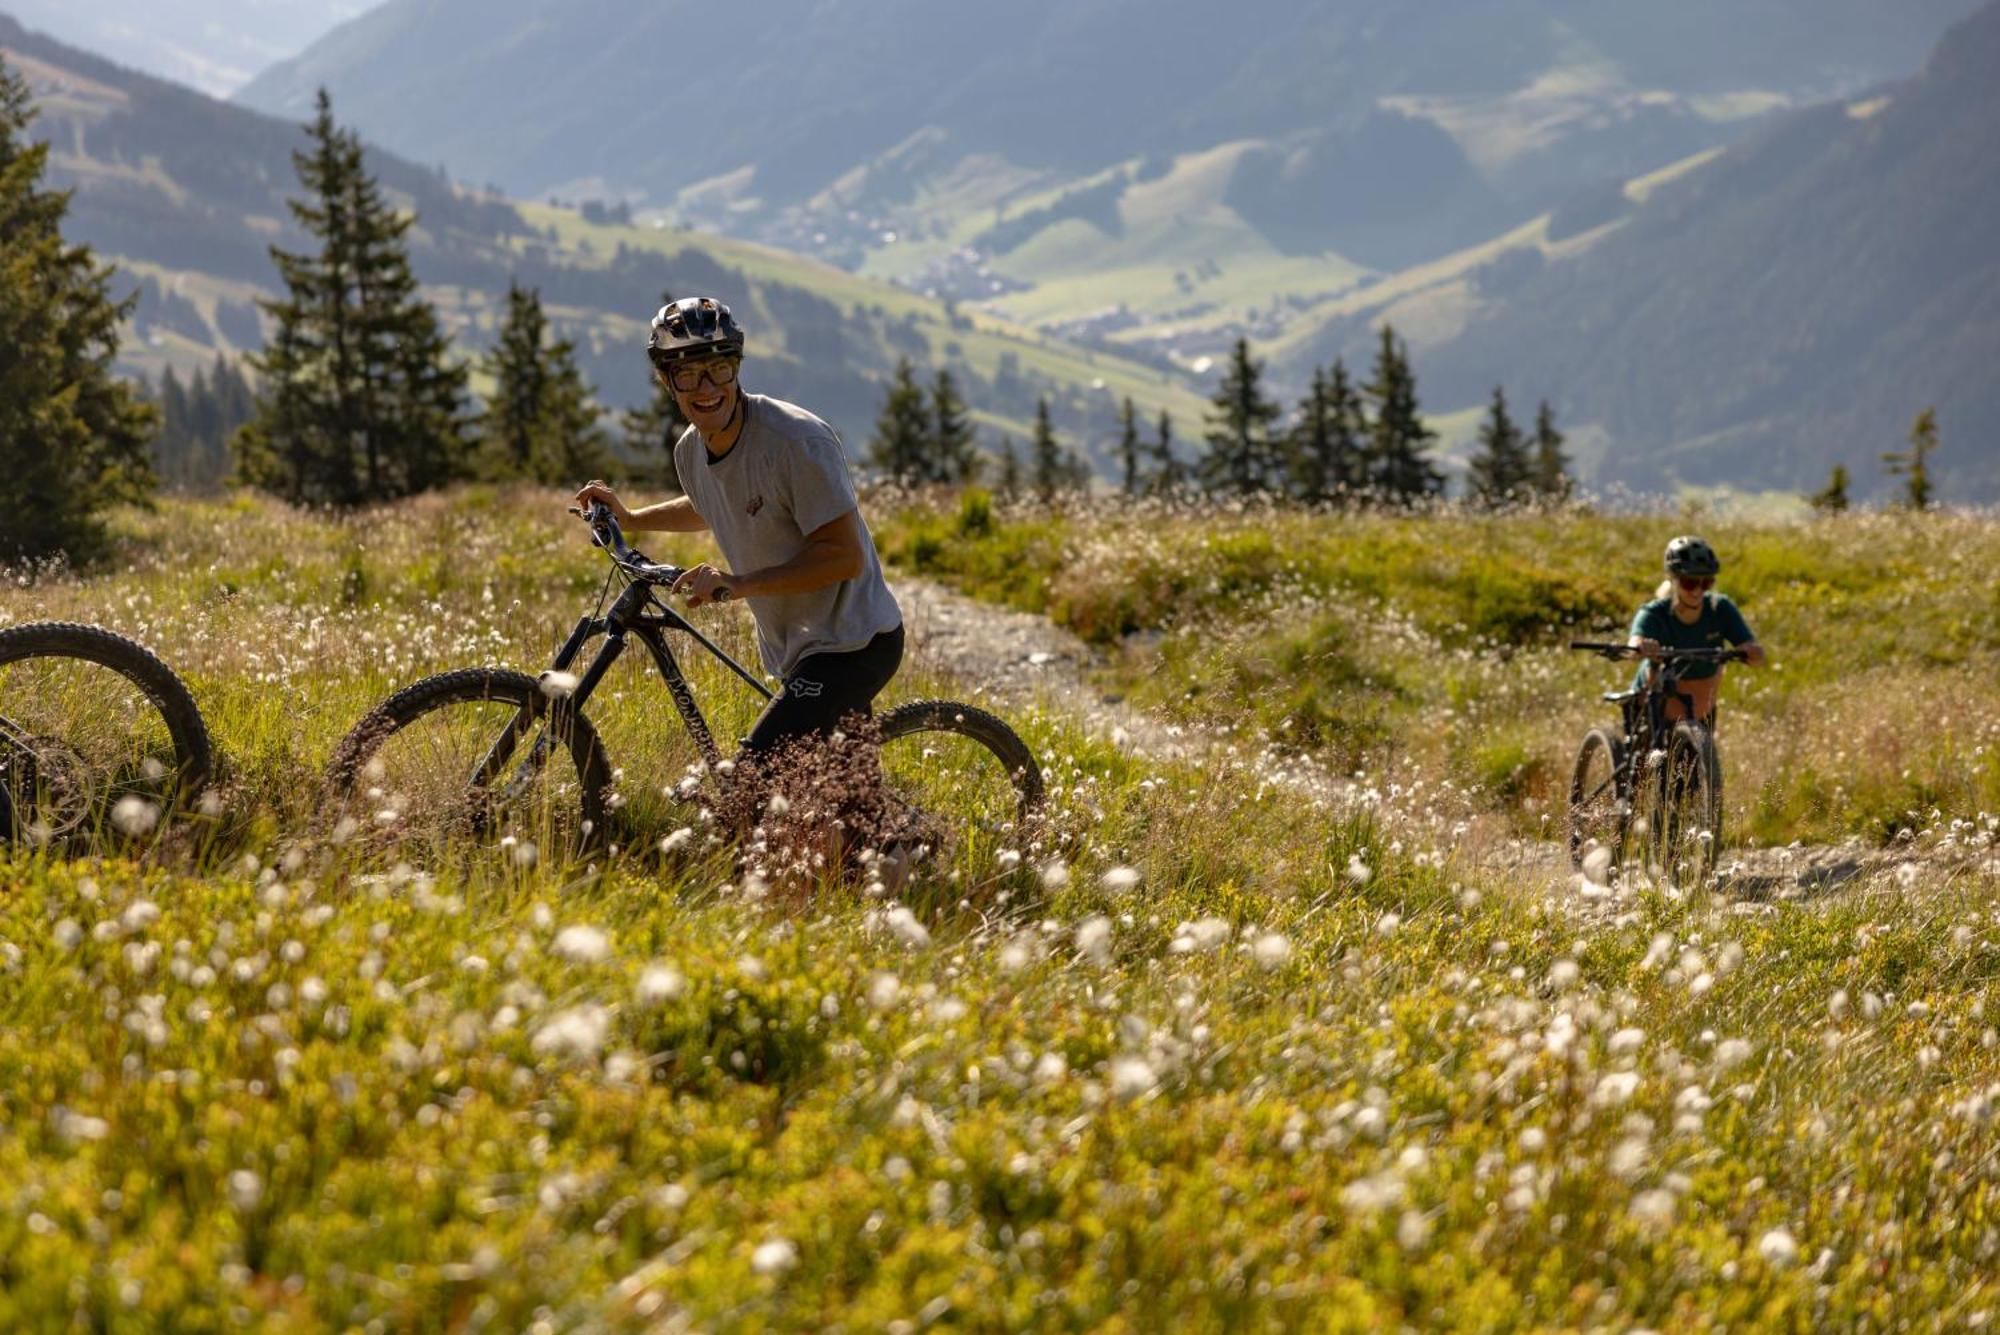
x,y
687,376
1695,581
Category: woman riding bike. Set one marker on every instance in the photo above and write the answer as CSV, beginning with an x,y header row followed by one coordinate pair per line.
x,y
1687,613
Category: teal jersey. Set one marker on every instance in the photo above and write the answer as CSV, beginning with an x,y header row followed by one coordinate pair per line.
x,y
1719,625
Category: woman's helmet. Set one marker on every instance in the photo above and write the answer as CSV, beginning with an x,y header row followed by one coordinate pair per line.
x,y
1689,555
693,327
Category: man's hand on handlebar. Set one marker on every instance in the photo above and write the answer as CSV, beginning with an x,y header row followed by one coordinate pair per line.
x,y
704,584
1647,647
596,491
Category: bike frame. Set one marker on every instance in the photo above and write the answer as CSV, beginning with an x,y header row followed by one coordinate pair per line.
x,y
636,613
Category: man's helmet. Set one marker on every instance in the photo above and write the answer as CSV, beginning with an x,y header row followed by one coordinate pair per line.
x,y
1689,555
693,327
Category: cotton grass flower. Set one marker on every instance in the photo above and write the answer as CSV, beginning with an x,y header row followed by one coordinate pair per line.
x,y
577,1033
1200,937
1119,880
775,1257
1093,939
660,984
582,944
1272,950
1132,1078
134,816
1778,1248
903,925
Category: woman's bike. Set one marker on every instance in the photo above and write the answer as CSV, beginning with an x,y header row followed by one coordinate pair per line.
x,y
496,755
96,735
1651,793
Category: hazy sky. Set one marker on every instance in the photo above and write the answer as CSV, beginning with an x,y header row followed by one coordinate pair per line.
x,y
214,45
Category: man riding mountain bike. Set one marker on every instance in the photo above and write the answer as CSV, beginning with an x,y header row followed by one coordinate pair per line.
x,y
1686,613
771,482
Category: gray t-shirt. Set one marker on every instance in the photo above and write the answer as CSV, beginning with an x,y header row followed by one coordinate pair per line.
x,y
785,477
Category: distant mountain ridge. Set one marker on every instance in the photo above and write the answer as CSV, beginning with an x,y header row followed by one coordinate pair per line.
x,y
215,46
1789,305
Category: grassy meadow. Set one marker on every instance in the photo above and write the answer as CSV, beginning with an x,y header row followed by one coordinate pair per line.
x,y
1226,1047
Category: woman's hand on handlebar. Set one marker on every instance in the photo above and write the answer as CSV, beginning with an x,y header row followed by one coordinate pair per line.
x,y
595,491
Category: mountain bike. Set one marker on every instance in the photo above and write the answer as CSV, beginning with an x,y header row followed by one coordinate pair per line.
x,y
1652,792
96,733
498,756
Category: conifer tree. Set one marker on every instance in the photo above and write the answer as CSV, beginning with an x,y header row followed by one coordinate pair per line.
x,y
359,398
1549,467
1128,447
1400,469
953,456
1010,470
1832,498
1168,476
541,422
1500,472
191,452
1913,464
654,427
73,440
903,430
1045,456
1323,450
1241,457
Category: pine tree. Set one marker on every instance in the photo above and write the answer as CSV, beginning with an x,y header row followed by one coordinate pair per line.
x,y
953,456
360,400
1832,498
1168,476
1913,464
1010,470
1323,450
1128,447
1045,455
1500,472
1241,458
1400,469
541,422
191,452
903,430
1549,468
73,440
654,427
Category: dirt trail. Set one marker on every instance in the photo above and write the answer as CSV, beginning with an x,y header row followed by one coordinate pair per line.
x,y
1015,659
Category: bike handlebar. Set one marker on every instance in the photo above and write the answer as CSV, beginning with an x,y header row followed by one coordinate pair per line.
x,y
1667,654
605,533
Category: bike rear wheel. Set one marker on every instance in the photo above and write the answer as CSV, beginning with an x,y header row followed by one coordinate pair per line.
x,y
1598,806
96,735
468,760
1691,812
964,781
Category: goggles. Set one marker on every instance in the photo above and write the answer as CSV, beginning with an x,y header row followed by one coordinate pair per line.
x,y
1692,582
686,376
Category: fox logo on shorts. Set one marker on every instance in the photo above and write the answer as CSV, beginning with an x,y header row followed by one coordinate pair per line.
x,y
756,504
810,690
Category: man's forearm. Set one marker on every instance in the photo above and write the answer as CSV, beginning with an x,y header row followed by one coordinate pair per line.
x,y
675,516
816,566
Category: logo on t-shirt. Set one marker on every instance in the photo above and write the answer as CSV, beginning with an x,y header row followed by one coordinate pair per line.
x,y
756,504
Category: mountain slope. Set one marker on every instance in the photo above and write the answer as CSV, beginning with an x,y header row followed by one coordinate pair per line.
x,y
898,134
213,45
1789,305
187,194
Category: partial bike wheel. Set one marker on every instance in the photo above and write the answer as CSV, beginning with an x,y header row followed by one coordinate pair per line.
x,y
471,759
96,735
966,779
1598,811
1691,815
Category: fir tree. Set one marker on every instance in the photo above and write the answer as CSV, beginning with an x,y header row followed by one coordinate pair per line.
x,y
191,452
903,430
1241,459
1323,450
1010,470
360,400
1500,473
1549,467
1168,476
1400,469
654,427
1128,447
541,422
1046,465
1913,464
1832,498
953,456
73,440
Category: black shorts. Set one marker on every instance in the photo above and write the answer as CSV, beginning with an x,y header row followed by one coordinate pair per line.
x,y
824,689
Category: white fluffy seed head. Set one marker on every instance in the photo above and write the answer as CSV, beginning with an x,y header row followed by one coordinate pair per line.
x,y
581,943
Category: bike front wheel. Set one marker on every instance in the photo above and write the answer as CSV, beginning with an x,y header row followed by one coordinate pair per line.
x,y
97,736
1598,806
471,759
1691,809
